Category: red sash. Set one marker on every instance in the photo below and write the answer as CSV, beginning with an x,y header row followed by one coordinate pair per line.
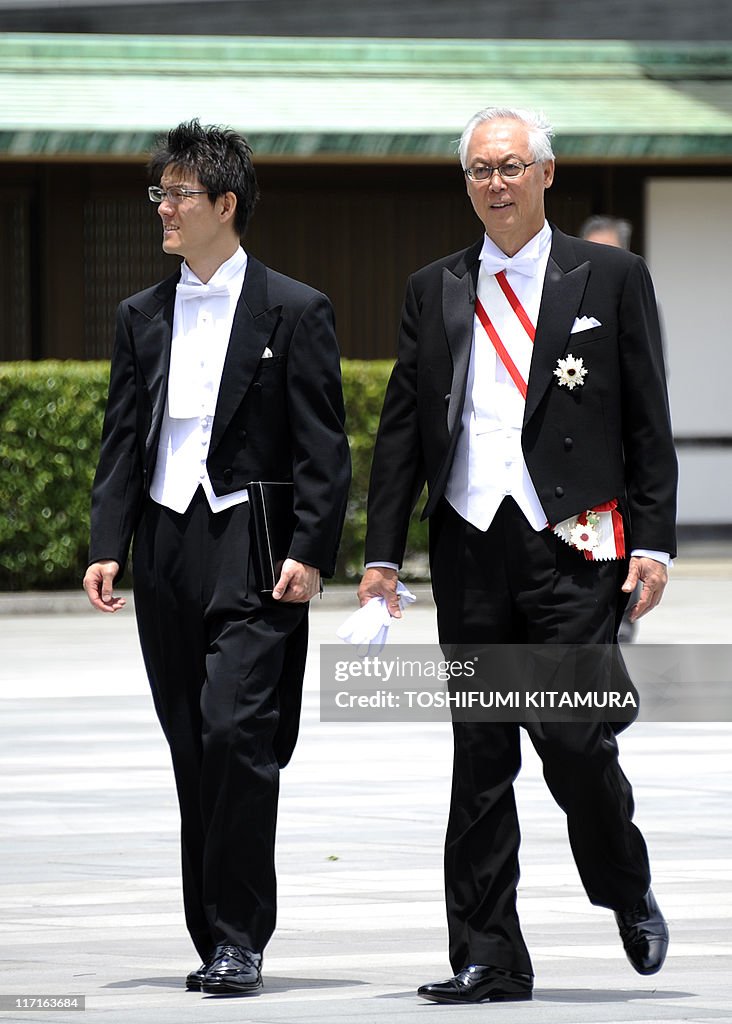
x,y
489,328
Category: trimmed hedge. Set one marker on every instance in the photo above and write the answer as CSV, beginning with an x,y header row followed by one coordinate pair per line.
x,y
50,424
364,384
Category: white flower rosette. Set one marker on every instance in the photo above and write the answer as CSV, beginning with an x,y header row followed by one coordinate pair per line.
x,y
596,535
570,372
583,536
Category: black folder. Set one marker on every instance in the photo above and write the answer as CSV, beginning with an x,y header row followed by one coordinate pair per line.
x,y
272,520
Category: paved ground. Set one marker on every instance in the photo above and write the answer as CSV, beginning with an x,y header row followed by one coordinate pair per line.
x,y
89,891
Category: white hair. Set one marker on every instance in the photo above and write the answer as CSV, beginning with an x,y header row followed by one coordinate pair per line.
x,y
540,131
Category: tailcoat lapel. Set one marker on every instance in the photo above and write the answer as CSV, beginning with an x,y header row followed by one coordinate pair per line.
x,y
458,309
253,327
564,287
153,331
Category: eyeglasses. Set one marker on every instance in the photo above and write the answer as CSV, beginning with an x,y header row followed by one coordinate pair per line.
x,y
174,195
511,169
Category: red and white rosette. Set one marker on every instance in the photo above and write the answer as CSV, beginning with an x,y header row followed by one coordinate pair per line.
x,y
597,533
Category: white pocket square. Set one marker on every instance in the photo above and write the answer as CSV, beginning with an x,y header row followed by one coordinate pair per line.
x,y
584,323
267,354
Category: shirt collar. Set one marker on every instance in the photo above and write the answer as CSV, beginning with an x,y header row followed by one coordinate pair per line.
x,y
225,274
534,249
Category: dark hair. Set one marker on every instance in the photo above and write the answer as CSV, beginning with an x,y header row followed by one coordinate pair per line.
x,y
220,158
622,228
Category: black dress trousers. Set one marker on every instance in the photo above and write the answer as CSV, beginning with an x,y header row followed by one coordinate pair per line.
x,y
514,585
225,667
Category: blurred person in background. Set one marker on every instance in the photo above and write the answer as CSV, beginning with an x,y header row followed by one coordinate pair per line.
x,y
607,231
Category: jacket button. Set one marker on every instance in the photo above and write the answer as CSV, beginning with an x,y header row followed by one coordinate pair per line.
x,y
242,435
559,492
228,476
257,386
568,444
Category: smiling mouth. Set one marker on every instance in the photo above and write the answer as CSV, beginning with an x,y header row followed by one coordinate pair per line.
x,y
500,206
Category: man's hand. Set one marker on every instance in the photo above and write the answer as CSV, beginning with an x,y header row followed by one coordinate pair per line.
x,y
99,586
654,577
297,583
381,582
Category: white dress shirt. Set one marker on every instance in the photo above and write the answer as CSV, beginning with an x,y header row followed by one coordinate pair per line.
x,y
489,463
202,320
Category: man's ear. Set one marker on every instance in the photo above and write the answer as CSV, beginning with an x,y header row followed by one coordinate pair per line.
x,y
228,206
548,173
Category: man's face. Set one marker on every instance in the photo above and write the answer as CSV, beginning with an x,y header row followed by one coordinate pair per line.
x,y
192,227
512,211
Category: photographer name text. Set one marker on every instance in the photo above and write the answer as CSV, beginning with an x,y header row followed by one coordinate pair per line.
x,y
522,700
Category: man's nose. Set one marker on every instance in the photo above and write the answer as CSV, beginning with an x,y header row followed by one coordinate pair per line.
x,y
165,207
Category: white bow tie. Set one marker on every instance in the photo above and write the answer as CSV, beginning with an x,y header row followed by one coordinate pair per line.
x,y
494,264
200,291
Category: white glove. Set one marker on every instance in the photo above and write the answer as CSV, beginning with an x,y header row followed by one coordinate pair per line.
x,y
368,628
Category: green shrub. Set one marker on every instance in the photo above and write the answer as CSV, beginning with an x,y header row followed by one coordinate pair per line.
x,y
364,383
50,421
50,424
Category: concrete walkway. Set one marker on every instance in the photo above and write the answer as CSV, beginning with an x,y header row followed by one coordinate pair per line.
x,y
89,889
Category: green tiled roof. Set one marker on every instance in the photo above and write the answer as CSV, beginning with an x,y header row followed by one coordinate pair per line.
x,y
111,96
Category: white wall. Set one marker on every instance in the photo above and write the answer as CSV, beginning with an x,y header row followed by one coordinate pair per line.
x,y
689,250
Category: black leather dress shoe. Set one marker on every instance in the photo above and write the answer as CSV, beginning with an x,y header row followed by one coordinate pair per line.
x,y
233,969
645,934
478,984
194,979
